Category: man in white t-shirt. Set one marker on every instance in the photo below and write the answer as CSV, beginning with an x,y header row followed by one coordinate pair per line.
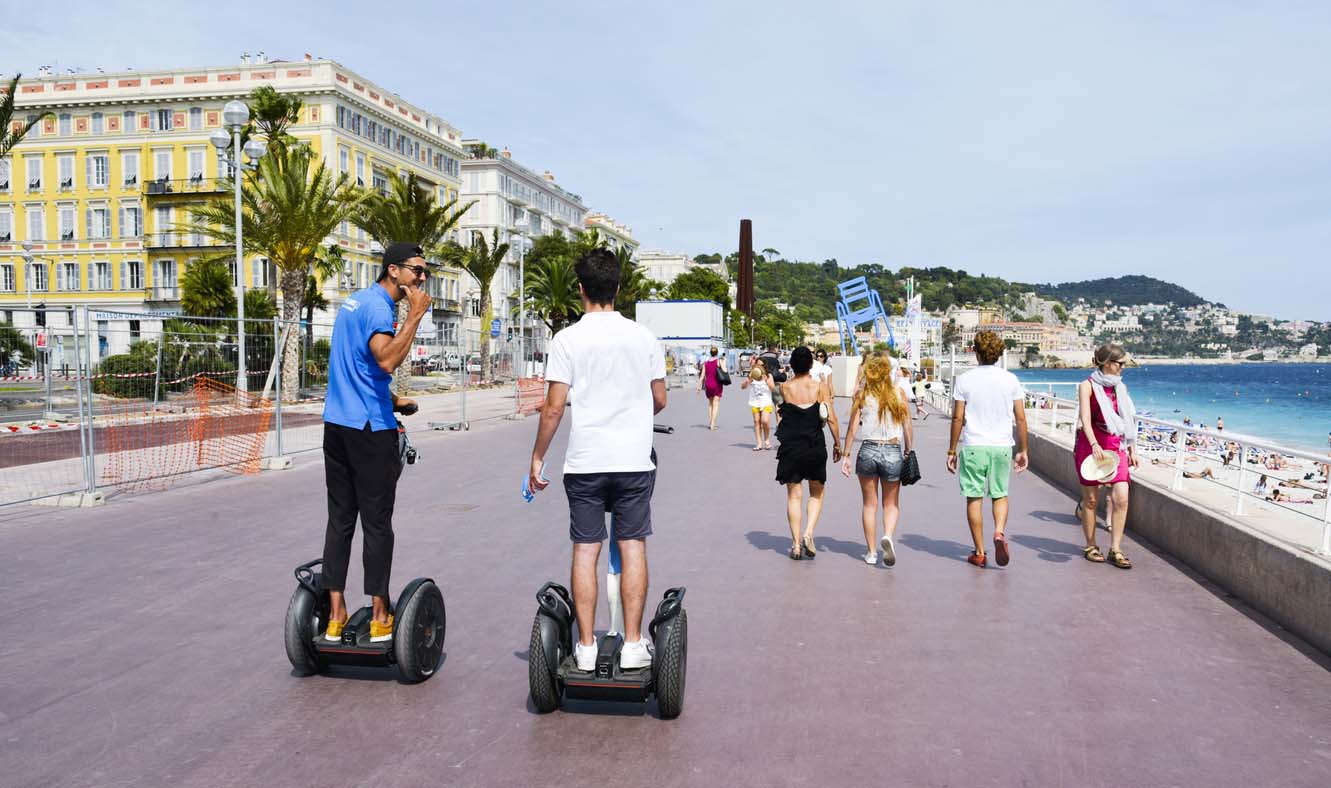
x,y
987,403
615,370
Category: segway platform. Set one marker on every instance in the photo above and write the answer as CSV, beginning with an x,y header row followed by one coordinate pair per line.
x,y
553,673
419,625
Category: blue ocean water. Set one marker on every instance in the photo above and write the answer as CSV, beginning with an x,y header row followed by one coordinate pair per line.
x,y
1286,403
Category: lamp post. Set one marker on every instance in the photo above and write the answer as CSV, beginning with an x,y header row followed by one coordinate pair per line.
x,y
234,116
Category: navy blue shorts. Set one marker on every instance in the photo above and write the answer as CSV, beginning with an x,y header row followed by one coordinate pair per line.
x,y
626,495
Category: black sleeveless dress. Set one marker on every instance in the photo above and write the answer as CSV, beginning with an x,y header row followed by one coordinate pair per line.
x,y
802,455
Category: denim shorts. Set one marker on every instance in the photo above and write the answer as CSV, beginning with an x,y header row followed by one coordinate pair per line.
x,y
879,459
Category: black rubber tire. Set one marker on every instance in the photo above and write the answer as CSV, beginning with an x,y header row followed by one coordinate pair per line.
x,y
545,691
418,637
301,625
672,665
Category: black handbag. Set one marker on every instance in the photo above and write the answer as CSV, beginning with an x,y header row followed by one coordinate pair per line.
x,y
722,376
910,468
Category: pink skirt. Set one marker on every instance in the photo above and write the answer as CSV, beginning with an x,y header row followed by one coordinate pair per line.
x,y
1082,449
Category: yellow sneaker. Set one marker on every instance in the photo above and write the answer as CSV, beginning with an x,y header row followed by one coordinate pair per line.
x,y
381,632
334,632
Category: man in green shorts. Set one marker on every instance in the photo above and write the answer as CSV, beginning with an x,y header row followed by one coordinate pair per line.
x,y
986,403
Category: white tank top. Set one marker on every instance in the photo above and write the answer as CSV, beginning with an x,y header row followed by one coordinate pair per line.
x,y
871,429
760,396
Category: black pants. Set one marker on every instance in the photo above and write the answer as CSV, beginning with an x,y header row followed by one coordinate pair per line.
x,y
361,471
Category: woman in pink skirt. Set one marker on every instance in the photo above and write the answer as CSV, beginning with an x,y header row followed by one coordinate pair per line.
x,y
710,384
1108,423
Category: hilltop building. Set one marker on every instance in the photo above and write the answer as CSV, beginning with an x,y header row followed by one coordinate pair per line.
x,y
617,236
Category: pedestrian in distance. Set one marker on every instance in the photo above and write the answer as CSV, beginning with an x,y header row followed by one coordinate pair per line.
x,y
918,391
802,455
760,386
360,442
987,403
1107,425
772,360
879,413
709,382
822,371
615,370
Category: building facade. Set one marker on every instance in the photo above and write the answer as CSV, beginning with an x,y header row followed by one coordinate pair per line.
x,y
617,236
520,206
666,267
104,188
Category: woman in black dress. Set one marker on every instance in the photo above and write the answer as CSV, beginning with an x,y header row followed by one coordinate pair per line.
x,y
802,455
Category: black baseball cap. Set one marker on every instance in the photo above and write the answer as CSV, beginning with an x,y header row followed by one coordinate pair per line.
x,y
400,252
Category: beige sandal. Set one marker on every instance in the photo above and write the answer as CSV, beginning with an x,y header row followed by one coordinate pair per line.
x,y
1093,554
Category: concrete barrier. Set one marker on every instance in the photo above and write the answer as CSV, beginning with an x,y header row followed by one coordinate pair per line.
x,y
1289,586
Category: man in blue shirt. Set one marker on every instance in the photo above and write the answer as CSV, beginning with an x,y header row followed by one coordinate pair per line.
x,y
361,461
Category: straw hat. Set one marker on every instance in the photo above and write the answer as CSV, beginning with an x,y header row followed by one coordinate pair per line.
x,y
1101,471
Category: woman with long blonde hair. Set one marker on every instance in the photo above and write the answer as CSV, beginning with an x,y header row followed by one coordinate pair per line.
x,y
880,409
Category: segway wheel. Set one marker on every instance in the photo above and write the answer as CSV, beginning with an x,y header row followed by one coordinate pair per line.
x,y
542,665
672,664
303,621
418,639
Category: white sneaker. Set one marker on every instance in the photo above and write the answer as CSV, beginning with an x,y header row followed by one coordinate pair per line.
x,y
585,656
889,552
636,655
871,559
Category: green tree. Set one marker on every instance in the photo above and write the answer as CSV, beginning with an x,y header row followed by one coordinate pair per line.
x,y
326,265
951,334
259,305
482,261
289,204
207,289
634,285
10,136
700,284
11,343
407,211
552,291
271,114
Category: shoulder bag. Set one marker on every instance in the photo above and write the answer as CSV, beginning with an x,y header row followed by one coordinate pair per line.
x,y
722,376
910,468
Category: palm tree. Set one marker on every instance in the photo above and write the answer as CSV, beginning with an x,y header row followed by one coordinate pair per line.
x,y
769,254
633,284
207,289
325,266
272,113
289,205
483,260
407,211
9,137
552,291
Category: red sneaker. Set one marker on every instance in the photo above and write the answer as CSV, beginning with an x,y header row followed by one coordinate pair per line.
x,y
1001,556
979,559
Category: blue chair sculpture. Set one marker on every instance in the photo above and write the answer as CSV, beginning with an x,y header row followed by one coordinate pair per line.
x,y
859,305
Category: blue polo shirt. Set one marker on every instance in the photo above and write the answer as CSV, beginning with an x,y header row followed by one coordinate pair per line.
x,y
358,391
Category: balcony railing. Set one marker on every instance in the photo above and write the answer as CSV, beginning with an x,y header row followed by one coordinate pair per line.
x,y
180,241
195,185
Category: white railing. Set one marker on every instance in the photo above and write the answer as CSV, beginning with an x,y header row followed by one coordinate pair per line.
x,y
1156,436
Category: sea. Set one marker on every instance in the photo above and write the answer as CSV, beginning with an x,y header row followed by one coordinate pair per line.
x,y
1288,404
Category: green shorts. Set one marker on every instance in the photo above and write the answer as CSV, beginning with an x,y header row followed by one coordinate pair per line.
x,y
982,468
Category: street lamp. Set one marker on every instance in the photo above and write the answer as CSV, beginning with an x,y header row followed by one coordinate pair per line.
x,y
229,154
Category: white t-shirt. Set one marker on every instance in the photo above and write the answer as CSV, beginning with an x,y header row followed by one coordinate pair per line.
x,y
609,363
820,371
873,429
989,392
907,393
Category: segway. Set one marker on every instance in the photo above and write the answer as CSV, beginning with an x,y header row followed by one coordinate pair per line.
x,y
553,673
419,620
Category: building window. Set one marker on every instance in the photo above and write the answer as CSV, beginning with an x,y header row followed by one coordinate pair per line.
x,y
36,223
162,226
131,275
66,125
196,160
131,221
65,221
39,276
165,273
99,222
161,120
196,118
360,169
162,165
67,276
98,123
7,278
343,164
64,167
259,272
231,266
128,125
4,175
99,170
100,276
6,225
129,168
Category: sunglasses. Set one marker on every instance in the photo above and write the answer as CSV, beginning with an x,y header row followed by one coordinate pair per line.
x,y
419,269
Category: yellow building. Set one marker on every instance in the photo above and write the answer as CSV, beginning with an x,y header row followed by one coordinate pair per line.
x,y
102,188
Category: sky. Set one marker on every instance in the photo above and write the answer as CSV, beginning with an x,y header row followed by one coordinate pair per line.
x,y
1039,142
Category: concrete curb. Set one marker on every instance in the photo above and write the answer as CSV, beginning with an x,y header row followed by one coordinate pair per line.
x,y
1289,586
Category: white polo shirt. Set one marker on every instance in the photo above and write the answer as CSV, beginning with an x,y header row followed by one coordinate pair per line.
x,y
609,363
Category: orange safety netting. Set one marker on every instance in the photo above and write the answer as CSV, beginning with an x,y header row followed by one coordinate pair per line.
x,y
146,448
